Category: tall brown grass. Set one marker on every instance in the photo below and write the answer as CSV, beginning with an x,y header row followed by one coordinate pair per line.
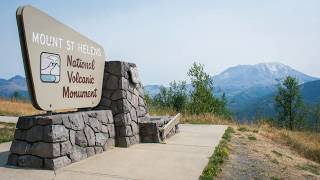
x,y
17,108
207,118
6,132
305,143
156,111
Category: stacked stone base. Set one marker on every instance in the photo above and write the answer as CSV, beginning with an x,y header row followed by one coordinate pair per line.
x,y
151,130
121,119
55,141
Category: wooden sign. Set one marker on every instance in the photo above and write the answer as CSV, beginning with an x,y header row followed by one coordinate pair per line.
x,y
64,69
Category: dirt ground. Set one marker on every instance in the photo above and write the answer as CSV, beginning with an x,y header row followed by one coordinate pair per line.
x,y
254,156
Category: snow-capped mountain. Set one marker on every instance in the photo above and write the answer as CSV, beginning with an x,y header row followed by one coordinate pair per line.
x,y
244,85
237,79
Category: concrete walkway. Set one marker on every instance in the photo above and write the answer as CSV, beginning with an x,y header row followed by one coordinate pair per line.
x,y
9,119
183,156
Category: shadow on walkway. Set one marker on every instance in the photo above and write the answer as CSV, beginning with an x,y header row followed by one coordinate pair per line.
x,y
3,161
3,158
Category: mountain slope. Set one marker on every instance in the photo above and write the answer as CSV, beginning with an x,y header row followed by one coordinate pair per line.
x,y
249,96
240,78
249,86
152,90
310,91
12,85
265,106
236,80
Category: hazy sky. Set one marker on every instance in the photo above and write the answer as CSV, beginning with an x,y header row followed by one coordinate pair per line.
x,y
164,37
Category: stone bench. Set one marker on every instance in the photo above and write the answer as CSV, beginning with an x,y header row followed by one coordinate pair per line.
x,y
55,141
159,128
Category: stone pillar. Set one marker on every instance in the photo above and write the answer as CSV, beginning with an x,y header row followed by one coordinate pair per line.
x,y
55,141
123,94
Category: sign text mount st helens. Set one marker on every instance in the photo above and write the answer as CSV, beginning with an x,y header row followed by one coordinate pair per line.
x,y
64,69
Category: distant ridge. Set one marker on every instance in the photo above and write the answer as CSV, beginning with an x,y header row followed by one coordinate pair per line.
x,y
15,84
264,106
245,85
240,78
249,88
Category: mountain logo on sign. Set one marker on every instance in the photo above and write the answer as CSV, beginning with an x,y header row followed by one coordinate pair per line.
x,y
50,67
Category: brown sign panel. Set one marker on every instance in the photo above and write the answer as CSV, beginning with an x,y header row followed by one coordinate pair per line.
x,y
64,69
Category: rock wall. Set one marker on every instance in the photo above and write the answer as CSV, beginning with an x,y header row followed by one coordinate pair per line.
x,y
121,119
123,94
55,141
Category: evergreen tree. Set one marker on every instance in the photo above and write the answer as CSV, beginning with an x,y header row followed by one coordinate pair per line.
x,y
199,100
316,118
175,96
289,103
179,96
202,99
16,95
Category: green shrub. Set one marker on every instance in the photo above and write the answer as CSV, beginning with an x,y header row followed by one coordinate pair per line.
x,y
219,155
198,100
227,134
7,132
243,129
252,137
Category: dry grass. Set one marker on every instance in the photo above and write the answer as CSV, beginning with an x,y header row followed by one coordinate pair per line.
x,y
189,118
311,168
6,131
154,111
306,144
204,119
21,108
16,108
